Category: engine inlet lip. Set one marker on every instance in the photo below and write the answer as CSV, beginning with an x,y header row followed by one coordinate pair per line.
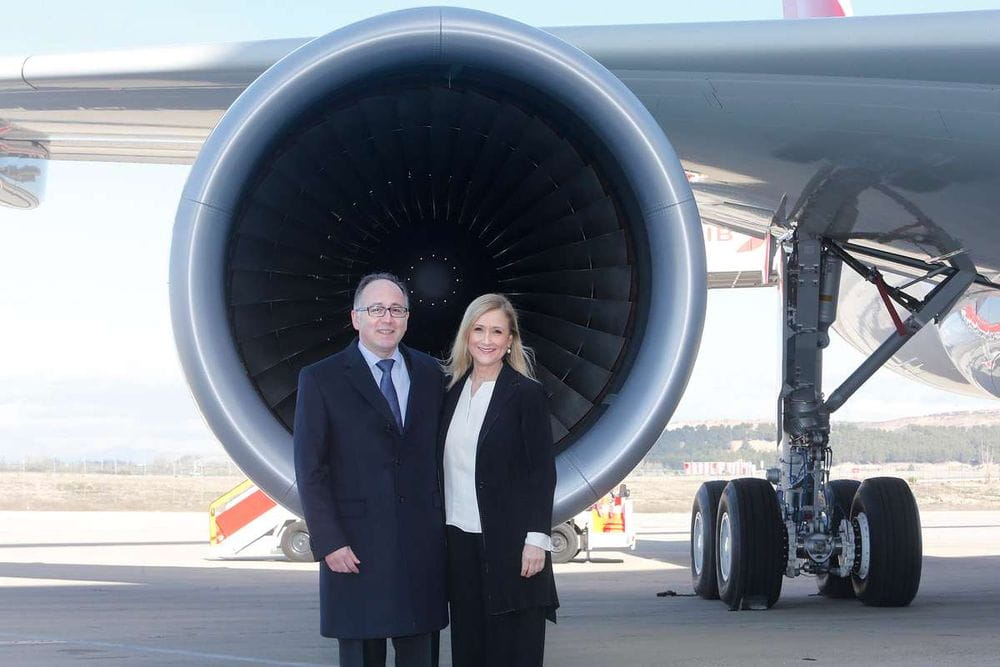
x,y
260,117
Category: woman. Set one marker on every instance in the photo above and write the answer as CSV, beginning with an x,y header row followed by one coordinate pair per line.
x,y
499,479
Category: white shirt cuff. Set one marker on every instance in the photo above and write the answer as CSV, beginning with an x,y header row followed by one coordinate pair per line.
x,y
540,540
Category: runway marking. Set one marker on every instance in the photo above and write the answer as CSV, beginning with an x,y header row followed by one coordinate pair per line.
x,y
31,582
619,561
158,651
29,642
45,545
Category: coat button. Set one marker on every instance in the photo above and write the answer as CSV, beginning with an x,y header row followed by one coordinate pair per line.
x,y
481,485
402,499
388,427
397,461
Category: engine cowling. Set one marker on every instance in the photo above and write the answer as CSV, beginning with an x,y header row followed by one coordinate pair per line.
x,y
959,354
971,335
466,153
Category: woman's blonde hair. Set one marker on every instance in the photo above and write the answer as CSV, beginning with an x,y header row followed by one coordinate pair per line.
x,y
521,358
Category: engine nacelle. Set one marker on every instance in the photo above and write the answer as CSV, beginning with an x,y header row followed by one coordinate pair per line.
x,y
466,153
971,335
960,354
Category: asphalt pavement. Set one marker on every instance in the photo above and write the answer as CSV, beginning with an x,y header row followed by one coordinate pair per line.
x,y
136,588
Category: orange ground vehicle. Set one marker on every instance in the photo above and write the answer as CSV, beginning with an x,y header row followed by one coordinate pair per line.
x,y
245,523
608,523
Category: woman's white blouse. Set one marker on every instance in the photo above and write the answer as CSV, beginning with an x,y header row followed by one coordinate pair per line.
x,y
460,507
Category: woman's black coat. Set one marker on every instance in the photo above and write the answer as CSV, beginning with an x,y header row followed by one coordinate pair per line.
x,y
515,484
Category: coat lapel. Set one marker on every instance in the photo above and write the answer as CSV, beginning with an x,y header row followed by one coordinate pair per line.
x,y
447,412
502,393
362,379
451,401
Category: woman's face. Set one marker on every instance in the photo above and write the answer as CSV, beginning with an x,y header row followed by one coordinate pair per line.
x,y
489,338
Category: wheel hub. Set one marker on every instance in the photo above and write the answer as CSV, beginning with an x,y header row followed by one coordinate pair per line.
x,y
699,544
862,540
725,547
300,543
848,553
819,547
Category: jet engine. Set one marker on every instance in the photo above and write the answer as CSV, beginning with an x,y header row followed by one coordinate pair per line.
x,y
960,354
466,153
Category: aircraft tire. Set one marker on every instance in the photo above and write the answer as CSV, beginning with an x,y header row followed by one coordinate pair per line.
x,y
565,543
295,543
895,545
750,558
843,491
703,515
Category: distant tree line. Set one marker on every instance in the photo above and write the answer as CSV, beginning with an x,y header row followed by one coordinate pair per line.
x,y
973,445
184,466
851,443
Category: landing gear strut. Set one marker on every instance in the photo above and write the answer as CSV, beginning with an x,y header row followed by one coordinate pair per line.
x,y
859,540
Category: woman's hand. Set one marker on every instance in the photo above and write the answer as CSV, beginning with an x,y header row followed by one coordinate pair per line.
x,y
532,560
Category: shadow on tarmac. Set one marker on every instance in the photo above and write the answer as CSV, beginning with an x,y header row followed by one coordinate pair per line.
x,y
150,615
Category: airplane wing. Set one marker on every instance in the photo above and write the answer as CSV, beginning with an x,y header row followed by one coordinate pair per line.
x,y
876,125
882,131
467,153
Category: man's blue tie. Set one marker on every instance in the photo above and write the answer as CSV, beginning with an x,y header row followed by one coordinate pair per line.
x,y
389,390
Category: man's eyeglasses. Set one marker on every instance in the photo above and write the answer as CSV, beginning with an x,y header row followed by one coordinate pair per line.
x,y
378,310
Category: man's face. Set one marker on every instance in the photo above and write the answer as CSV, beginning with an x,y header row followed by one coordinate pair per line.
x,y
381,335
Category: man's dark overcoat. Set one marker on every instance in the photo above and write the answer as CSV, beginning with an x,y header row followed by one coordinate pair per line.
x,y
515,484
365,485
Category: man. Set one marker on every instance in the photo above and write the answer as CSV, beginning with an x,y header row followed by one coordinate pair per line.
x,y
366,423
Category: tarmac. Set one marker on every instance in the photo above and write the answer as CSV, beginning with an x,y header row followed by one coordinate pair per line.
x,y
135,588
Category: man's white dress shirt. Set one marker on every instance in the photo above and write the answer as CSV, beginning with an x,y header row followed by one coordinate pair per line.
x,y
400,376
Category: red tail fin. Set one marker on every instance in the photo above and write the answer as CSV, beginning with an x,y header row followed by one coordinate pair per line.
x,y
806,9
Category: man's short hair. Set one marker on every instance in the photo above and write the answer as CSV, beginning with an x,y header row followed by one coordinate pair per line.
x,y
372,277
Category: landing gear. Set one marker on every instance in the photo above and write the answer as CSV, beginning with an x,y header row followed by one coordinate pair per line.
x,y
703,514
888,570
840,494
751,559
858,539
